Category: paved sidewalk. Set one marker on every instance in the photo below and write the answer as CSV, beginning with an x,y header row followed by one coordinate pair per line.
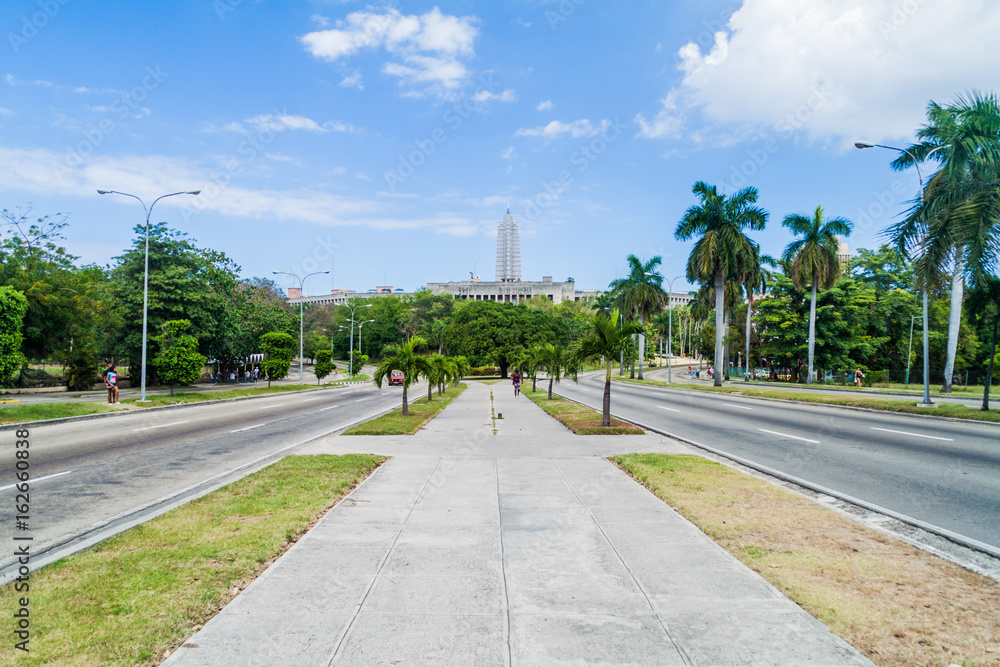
x,y
522,548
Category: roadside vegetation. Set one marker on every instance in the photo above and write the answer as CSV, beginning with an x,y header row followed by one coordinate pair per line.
x,y
137,596
578,418
420,412
898,605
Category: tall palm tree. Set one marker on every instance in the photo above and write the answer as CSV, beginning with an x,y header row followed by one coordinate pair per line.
x,y
640,294
955,220
723,250
403,357
755,279
528,364
813,258
609,336
984,301
462,368
558,362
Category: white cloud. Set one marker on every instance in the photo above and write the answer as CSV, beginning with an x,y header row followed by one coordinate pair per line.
x,y
557,128
484,96
353,81
282,122
6,112
836,69
507,154
321,21
428,47
545,106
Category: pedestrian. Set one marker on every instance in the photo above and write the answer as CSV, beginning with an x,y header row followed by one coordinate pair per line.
x,y
111,382
516,379
104,378
857,376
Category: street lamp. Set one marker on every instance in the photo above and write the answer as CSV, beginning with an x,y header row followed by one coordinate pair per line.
x,y
302,282
145,273
670,326
920,177
350,371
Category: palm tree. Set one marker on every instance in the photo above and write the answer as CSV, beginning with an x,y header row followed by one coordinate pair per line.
x,y
723,251
954,221
556,359
984,301
755,279
528,363
608,337
403,357
462,368
640,294
437,374
813,259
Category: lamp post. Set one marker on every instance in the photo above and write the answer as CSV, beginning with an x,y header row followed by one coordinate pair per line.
x,y
302,282
350,370
920,177
909,350
145,273
670,326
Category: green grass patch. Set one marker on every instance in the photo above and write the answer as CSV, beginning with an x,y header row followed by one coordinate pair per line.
x,y
13,413
896,604
886,404
136,596
579,418
360,377
421,412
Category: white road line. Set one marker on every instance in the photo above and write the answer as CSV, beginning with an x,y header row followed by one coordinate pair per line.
x,y
360,399
738,407
268,407
785,435
37,479
316,398
161,426
329,408
915,435
248,428
663,407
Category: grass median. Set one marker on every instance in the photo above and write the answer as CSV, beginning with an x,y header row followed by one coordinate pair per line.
x,y
421,412
954,410
896,604
579,418
138,595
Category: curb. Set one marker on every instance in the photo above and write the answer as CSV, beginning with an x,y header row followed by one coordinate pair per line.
x,y
101,415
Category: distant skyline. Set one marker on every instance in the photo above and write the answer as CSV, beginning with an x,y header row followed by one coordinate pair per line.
x,y
386,140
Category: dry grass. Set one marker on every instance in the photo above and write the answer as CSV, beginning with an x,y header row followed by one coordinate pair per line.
x,y
895,603
421,411
579,418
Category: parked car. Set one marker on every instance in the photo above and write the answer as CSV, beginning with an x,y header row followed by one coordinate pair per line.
x,y
396,377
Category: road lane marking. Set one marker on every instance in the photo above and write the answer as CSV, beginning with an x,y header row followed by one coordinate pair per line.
x,y
915,435
663,407
785,435
359,400
37,479
146,428
248,428
317,398
738,407
268,407
329,408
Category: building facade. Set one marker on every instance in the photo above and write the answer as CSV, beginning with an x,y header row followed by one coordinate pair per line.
x,y
508,250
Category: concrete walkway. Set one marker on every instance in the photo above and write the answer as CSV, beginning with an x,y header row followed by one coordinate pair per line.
x,y
522,548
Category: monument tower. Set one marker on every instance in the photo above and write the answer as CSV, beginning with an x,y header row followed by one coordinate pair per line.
x,y
508,250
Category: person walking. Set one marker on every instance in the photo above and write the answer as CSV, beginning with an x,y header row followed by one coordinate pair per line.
x,y
516,379
857,376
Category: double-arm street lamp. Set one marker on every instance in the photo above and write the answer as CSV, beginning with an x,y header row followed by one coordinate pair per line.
x,y
302,282
920,177
670,324
351,361
145,273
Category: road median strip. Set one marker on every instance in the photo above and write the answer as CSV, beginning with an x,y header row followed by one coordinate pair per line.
x,y
579,418
421,412
136,596
895,603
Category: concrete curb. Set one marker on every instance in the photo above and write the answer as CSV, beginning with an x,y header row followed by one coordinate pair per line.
x,y
100,415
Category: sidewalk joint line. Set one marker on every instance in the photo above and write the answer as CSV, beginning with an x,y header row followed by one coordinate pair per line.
x,y
503,569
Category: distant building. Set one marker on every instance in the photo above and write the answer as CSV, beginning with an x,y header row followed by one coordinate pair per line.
x,y
843,253
508,250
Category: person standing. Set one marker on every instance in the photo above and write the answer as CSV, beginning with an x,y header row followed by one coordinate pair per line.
x,y
111,381
111,391
857,376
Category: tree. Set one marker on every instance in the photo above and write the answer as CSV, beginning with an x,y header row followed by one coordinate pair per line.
x,y
403,357
955,219
178,362
323,365
462,367
640,295
608,337
528,364
279,348
359,362
557,361
312,344
13,306
755,278
813,259
723,250
984,301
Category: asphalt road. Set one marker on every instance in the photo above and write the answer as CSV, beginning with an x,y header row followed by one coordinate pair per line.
x,y
87,472
944,473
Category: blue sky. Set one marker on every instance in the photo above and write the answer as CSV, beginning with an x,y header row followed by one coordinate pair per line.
x,y
391,137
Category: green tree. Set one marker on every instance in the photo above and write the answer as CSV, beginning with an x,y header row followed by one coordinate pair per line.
x,y
558,361
403,357
278,348
359,362
813,260
178,362
640,295
608,337
323,366
755,280
984,301
462,368
722,249
13,306
313,343
528,364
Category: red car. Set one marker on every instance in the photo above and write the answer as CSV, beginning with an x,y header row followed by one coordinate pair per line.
x,y
396,377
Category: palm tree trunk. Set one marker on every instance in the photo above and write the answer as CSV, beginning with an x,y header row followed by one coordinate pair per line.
x,y
989,369
430,386
534,382
720,312
606,412
550,387
954,320
406,407
642,345
812,332
746,377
